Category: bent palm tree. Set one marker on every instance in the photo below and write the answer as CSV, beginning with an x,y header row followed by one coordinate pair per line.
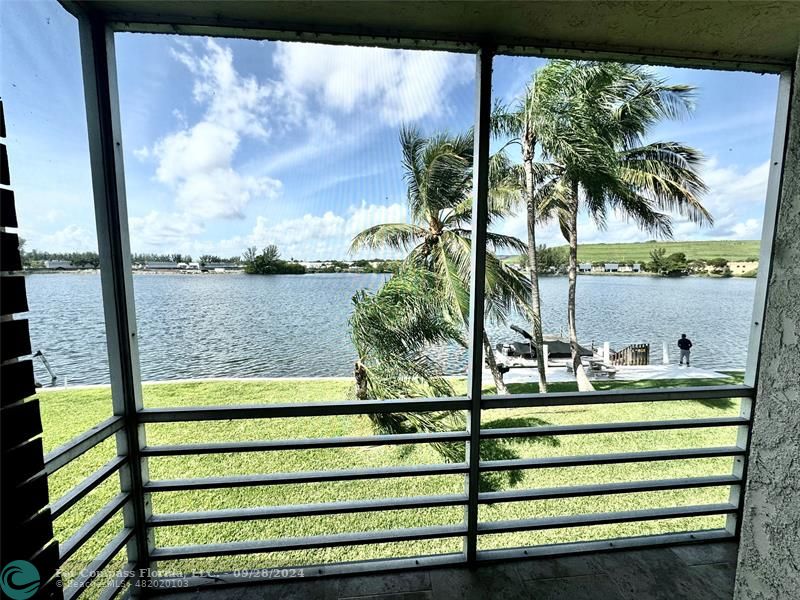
x,y
438,173
391,329
596,116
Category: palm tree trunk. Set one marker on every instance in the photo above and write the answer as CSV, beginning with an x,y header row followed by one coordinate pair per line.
x,y
584,385
492,364
533,264
360,374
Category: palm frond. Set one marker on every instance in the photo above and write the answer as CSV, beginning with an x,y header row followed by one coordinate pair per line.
x,y
505,121
666,173
398,236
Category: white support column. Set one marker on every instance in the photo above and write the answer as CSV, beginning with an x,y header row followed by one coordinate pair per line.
x,y
606,351
734,522
768,523
545,355
664,353
480,213
111,215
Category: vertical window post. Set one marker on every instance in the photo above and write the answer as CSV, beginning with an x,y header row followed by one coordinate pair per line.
x,y
111,215
480,200
734,521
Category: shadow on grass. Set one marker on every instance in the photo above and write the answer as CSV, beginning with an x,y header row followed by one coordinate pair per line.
x,y
533,388
502,449
643,384
718,403
652,384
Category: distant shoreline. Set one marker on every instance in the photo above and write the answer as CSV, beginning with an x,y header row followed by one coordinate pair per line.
x,y
173,273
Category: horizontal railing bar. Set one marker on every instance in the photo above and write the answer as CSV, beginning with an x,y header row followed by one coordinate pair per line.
x,y
68,452
306,444
625,487
516,432
360,567
206,483
711,392
78,539
573,548
391,565
79,585
305,510
114,587
302,409
303,543
585,520
609,459
60,506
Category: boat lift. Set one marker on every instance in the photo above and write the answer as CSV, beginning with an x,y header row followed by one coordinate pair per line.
x,y
47,366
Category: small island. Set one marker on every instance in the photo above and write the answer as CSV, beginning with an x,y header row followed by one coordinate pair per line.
x,y
269,262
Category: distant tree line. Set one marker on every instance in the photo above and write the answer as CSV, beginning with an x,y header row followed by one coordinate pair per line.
x,y
363,265
269,262
549,260
176,257
36,258
677,265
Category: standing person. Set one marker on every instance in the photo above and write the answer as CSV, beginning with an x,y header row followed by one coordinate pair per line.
x,y
685,344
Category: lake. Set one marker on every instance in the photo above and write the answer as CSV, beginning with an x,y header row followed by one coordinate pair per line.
x,y
237,325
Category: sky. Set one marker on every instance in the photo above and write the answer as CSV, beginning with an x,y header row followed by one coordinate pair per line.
x,y
235,143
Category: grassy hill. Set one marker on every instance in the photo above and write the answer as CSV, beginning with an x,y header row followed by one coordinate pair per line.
x,y
640,251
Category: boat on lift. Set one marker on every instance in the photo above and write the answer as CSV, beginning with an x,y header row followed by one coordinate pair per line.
x,y
522,354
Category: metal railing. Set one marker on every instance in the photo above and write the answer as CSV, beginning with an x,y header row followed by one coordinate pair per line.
x,y
471,472
63,456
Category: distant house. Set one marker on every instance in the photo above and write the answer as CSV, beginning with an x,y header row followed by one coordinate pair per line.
x,y
598,269
193,266
585,267
221,267
637,268
59,265
315,265
611,267
161,266
625,269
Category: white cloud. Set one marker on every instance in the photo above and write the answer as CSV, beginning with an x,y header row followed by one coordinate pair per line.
x,y
169,231
204,147
223,193
142,153
368,215
399,85
197,162
53,215
735,199
748,230
318,236
293,232
233,102
72,238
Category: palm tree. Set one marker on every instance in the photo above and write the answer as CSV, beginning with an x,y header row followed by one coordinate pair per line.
x,y
594,119
438,173
520,124
391,329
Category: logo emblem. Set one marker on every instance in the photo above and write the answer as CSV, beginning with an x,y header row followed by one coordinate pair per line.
x,y
19,580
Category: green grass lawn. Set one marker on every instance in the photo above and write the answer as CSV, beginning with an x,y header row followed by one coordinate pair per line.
x,y
640,251
67,413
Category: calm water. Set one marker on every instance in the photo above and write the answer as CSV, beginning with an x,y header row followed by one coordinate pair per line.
x,y
281,326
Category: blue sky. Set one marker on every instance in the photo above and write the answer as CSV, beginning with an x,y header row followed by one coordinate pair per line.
x,y
232,143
